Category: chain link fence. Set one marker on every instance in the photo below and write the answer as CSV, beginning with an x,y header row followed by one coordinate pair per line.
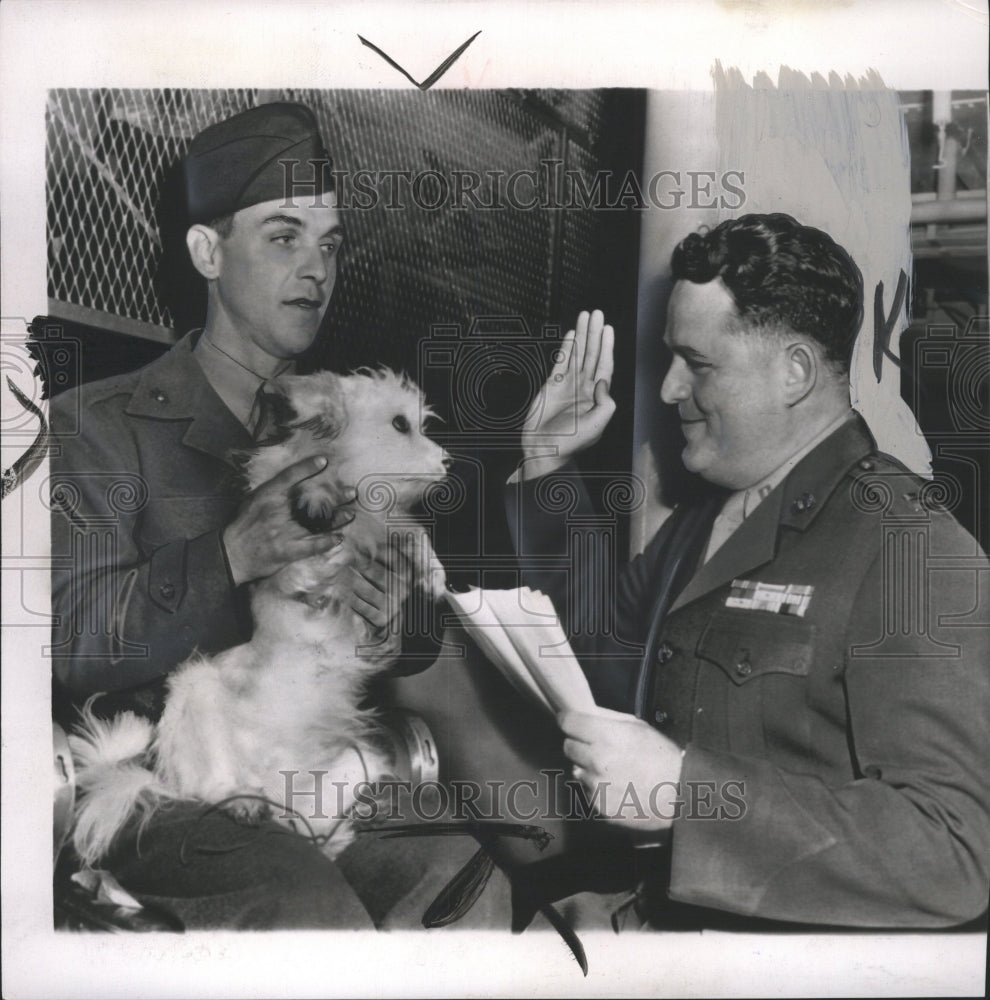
x,y
110,153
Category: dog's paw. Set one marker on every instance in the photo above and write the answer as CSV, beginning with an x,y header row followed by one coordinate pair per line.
x,y
249,810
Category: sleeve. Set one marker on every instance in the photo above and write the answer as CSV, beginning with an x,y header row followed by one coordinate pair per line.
x,y
123,618
562,552
904,844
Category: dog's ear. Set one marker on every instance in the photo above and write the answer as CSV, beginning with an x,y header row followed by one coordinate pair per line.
x,y
282,413
316,402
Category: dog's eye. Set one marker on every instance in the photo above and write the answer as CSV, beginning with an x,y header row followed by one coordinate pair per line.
x,y
400,424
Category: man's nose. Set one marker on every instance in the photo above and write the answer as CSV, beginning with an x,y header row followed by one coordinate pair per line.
x,y
315,265
675,386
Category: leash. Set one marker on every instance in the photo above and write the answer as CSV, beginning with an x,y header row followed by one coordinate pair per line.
x,y
22,469
465,888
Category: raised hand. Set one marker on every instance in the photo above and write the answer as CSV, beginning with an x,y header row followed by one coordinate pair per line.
x,y
264,536
573,408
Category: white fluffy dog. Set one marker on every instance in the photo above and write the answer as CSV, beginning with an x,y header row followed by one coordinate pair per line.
x,y
288,700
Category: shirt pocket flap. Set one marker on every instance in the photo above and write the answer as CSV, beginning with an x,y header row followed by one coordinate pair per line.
x,y
752,644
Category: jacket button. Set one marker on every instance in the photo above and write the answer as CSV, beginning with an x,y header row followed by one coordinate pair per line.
x,y
660,717
167,590
872,771
160,396
665,653
867,465
744,668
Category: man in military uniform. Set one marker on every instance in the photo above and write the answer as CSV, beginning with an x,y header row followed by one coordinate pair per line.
x,y
804,738
154,543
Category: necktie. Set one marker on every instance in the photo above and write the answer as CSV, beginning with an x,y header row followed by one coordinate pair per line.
x,y
260,417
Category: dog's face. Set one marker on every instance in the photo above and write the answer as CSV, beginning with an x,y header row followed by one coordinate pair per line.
x,y
369,425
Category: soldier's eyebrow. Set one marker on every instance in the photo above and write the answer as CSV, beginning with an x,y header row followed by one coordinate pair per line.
x,y
291,220
282,220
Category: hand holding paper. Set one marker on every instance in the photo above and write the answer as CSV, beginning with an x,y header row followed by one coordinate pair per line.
x,y
520,633
638,767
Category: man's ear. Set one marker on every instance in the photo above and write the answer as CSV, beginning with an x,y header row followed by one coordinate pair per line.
x,y
204,250
801,371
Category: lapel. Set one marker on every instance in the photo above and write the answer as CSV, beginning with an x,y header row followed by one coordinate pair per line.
x,y
174,388
754,543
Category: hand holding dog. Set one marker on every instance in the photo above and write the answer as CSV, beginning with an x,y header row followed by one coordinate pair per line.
x,y
572,409
378,593
264,536
639,767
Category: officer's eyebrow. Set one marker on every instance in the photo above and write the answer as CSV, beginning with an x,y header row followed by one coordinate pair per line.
x,y
683,350
686,352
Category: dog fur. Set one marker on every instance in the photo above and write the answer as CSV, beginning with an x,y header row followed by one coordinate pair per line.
x,y
288,700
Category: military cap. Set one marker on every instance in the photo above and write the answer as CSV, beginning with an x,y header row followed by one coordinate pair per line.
x,y
258,155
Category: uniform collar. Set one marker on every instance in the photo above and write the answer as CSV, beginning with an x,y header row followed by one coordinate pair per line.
x,y
175,388
761,490
235,383
794,503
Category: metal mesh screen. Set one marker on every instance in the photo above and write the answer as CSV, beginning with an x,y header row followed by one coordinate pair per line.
x,y
108,151
405,269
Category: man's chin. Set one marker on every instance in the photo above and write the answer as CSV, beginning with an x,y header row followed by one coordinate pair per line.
x,y
693,461
704,466
298,340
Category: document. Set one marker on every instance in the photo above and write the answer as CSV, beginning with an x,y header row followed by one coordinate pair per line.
x,y
519,631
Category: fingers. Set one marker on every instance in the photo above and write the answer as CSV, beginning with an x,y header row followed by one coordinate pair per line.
x,y
610,713
591,726
376,593
342,515
588,349
602,409
308,545
581,341
579,725
375,616
593,344
579,753
606,357
295,473
346,503
563,355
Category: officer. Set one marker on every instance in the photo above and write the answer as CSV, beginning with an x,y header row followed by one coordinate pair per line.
x,y
153,542
805,735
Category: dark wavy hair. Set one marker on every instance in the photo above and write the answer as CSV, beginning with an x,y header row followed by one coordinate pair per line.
x,y
781,273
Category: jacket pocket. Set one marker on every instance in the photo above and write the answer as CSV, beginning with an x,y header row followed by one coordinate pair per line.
x,y
761,662
748,645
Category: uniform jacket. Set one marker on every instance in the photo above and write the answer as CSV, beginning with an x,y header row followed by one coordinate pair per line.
x,y
838,758
142,488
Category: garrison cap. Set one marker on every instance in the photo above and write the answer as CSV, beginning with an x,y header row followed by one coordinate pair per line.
x,y
258,155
